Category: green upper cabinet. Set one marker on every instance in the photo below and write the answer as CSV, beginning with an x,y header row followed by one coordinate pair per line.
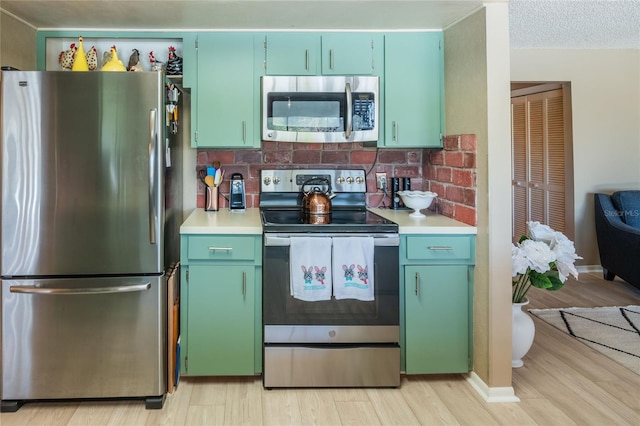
x,y
413,90
351,53
288,54
227,100
328,53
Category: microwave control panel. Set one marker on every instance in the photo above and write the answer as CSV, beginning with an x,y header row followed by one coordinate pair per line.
x,y
363,111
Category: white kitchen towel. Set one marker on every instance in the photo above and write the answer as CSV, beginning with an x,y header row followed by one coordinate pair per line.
x,y
353,268
310,263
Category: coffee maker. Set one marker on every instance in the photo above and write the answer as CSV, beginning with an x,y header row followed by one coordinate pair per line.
x,y
236,193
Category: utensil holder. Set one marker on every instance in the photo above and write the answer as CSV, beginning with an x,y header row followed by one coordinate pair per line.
x,y
211,199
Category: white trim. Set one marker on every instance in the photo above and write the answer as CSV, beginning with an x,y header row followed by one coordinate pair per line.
x,y
241,30
585,269
503,394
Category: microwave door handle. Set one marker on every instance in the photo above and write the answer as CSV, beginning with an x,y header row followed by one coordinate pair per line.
x,y
347,90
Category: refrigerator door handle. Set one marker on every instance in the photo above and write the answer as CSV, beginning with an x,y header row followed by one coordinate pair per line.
x,y
30,289
153,142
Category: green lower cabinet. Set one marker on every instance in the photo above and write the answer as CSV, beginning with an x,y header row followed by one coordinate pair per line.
x,y
221,320
437,319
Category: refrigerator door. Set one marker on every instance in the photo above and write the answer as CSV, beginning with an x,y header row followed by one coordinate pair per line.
x,y
82,173
84,338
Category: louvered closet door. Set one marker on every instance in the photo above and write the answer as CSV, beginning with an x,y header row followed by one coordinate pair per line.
x,y
519,177
538,161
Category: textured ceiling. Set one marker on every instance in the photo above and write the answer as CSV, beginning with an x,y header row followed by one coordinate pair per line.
x,y
579,24
575,24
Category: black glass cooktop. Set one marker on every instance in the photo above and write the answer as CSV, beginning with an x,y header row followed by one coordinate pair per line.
x,y
361,221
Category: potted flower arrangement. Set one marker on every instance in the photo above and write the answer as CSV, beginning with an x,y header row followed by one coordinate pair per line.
x,y
544,259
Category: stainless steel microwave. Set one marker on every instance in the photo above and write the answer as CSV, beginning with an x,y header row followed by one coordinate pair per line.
x,y
320,108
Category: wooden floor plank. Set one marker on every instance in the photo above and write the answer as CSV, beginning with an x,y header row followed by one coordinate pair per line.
x,y
461,400
244,401
357,413
391,407
317,407
280,407
425,403
205,415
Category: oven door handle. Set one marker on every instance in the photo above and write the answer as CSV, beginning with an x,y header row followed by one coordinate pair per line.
x,y
392,240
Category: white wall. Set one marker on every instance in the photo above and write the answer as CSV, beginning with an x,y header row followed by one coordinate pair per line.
x,y
605,92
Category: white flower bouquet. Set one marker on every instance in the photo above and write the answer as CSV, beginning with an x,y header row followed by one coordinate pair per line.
x,y
543,259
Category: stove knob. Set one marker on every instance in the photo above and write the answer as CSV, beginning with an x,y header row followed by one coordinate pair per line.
x,y
332,333
267,181
340,179
349,179
359,180
276,180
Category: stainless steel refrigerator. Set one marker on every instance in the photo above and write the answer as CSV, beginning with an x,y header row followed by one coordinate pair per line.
x,y
90,213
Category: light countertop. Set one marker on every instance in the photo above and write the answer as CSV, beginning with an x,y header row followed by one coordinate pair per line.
x,y
432,223
248,222
223,221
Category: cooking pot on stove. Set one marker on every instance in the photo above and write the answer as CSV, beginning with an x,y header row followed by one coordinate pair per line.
x,y
316,201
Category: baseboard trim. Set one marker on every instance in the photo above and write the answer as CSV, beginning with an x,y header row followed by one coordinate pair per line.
x,y
503,394
585,269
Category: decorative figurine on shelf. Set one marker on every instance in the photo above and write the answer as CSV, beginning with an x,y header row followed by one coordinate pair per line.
x,y
134,61
155,64
80,60
114,64
106,57
66,57
174,64
92,59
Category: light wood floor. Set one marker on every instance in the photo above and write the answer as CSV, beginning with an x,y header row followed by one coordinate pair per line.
x,y
563,382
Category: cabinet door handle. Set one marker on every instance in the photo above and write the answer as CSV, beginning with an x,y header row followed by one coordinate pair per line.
x,y
306,54
395,131
244,131
440,248
244,285
330,58
417,284
221,248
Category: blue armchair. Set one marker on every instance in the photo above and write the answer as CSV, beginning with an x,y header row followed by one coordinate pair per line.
x,y
618,233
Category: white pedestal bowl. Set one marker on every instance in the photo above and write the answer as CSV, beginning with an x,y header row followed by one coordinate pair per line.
x,y
417,200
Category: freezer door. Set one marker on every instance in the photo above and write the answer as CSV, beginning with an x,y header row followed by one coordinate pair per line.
x,y
82,173
83,338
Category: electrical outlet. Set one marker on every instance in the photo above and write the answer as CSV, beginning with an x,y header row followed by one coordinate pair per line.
x,y
381,181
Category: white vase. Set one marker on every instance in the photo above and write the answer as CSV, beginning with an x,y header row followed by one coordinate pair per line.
x,y
522,333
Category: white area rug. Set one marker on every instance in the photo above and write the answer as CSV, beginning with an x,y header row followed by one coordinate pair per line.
x,y
613,331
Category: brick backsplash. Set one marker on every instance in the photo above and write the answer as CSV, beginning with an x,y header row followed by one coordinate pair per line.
x,y
451,173
452,168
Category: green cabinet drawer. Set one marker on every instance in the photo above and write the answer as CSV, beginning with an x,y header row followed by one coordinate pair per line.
x,y
439,247
221,247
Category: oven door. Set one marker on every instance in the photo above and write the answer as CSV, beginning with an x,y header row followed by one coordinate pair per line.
x,y
287,319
